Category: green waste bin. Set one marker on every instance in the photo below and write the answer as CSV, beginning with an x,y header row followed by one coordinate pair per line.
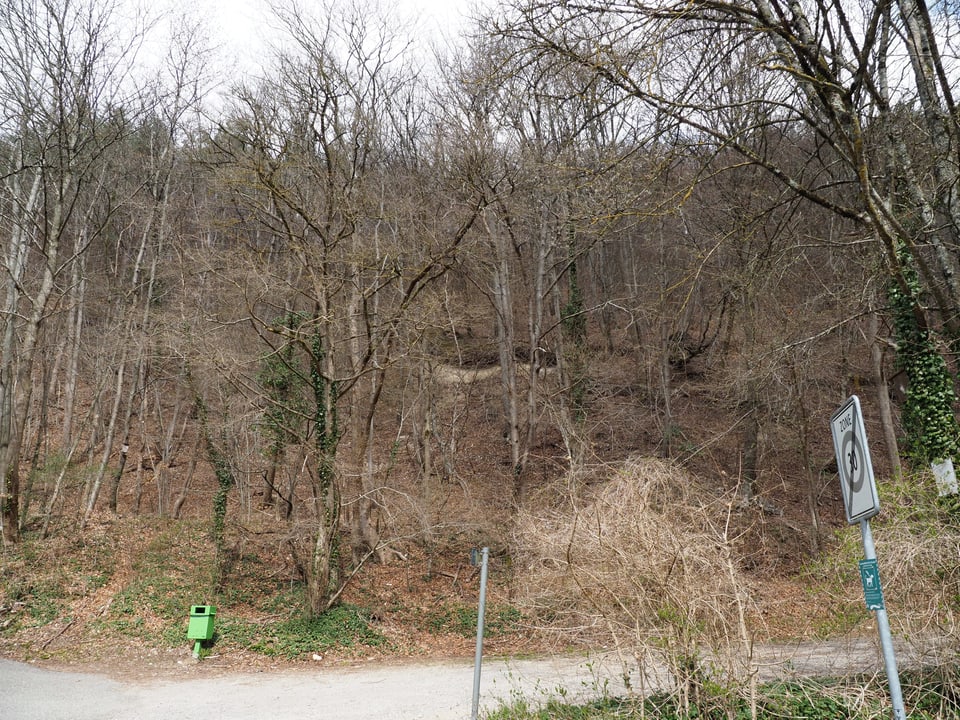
x,y
201,625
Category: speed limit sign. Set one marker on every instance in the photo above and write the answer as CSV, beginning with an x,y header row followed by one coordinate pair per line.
x,y
853,462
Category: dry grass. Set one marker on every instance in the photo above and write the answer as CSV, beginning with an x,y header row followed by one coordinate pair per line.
x,y
917,542
646,562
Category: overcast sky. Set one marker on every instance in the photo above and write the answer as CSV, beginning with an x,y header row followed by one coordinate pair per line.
x,y
241,27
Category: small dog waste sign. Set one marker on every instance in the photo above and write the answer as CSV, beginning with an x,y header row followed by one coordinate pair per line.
x,y
870,577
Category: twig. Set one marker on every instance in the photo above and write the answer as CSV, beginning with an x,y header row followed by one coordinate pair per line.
x,y
55,636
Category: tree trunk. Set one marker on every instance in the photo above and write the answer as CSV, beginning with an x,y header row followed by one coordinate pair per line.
x,y
114,490
939,111
883,396
665,378
107,446
323,577
506,342
750,450
536,315
16,396
425,430
49,376
665,319
17,248
188,479
74,330
364,538
270,478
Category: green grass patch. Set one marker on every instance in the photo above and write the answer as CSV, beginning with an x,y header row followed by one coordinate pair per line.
x,y
604,709
38,579
343,626
174,572
929,695
177,570
462,620
932,694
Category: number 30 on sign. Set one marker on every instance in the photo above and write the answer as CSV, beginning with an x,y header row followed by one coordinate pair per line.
x,y
853,462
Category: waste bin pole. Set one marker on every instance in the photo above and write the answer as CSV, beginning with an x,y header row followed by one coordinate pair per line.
x,y
479,657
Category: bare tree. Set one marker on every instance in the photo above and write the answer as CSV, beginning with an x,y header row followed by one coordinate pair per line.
x,y
550,150
61,73
311,145
158,141
821,73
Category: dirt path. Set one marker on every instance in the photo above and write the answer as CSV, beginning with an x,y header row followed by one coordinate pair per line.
x,y
429,691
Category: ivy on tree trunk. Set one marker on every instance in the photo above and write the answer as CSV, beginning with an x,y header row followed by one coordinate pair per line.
x,y
324,580
930,426
225,481
574,324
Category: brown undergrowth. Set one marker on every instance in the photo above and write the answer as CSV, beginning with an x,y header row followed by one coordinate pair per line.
x,y
645,559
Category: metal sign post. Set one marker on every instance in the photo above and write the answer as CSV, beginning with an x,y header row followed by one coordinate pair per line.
x,y
480,612
862,503
875,593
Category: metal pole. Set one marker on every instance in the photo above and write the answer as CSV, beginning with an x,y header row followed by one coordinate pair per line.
x,y
479,657
886,641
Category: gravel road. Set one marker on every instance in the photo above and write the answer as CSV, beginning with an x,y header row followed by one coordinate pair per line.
x,y
441,691
432,691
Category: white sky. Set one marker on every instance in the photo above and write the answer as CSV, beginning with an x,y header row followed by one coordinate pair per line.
x,y
242,27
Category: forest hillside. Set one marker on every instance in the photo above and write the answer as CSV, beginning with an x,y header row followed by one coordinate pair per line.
x,y
586,291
